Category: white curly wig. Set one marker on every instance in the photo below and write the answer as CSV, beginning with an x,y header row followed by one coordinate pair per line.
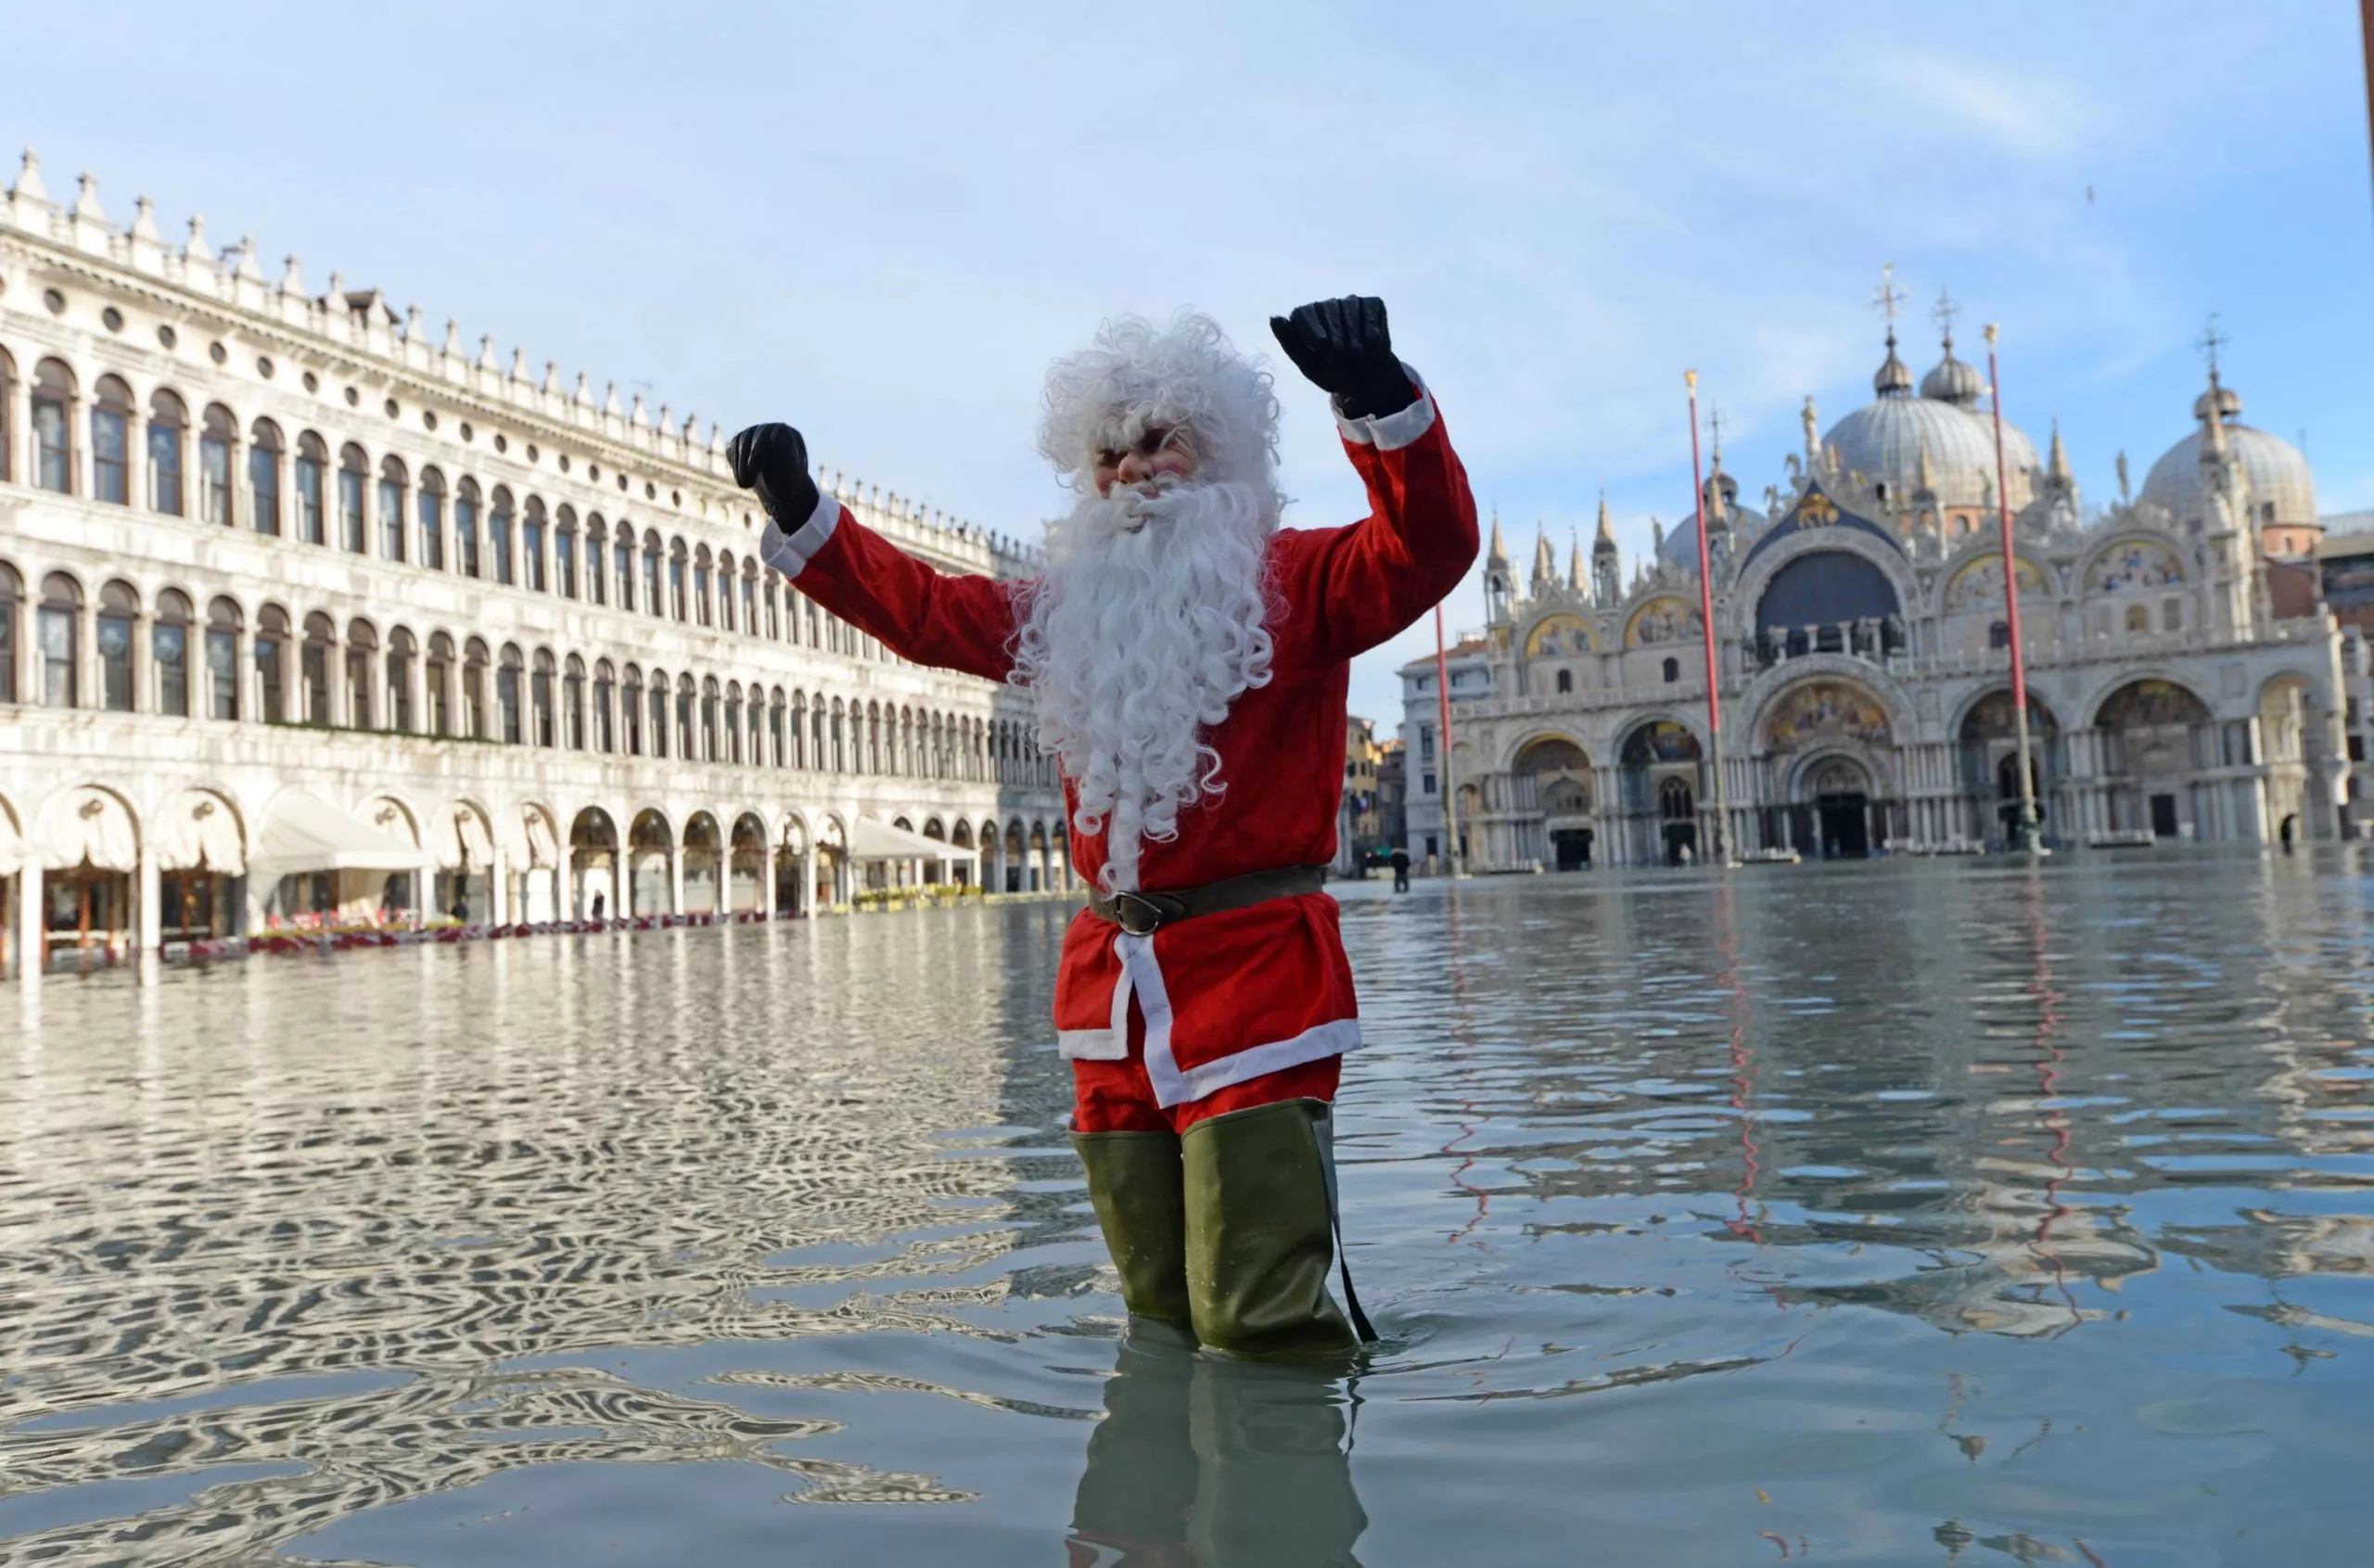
x,y
1136,375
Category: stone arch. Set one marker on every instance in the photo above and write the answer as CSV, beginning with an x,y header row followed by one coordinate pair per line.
x,y
2133,562
1658,738
1558,634
651,863
1663,618
745,890
595,864
2147,698
1820,708
704,849
89,839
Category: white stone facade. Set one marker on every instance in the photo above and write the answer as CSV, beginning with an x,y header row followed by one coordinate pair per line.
x,y
259,544
1861,629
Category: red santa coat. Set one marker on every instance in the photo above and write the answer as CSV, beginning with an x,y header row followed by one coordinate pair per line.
x,y
1225,997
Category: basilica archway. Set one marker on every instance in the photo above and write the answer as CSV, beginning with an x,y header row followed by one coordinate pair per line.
x,y
1554,788
1652,755
2155,737
1828,600
1807,731
1988,743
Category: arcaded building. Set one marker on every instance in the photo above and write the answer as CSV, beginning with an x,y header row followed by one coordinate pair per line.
x,y
309,613
2186,678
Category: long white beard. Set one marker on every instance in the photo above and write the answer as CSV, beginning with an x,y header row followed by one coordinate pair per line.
x,y
1146,624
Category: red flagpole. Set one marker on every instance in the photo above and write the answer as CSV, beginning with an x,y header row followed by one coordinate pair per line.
x,y
2027,824
1706,625
1452,858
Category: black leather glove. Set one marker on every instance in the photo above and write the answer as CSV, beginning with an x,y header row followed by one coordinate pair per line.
x,y
772,460
1345,348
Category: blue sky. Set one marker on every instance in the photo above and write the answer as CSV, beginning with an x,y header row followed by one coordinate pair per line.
x,y
881,222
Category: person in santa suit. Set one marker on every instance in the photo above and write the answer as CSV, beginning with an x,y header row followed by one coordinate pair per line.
x,y
1188,661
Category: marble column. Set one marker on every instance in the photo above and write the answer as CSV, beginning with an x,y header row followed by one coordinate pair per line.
x,y
148,904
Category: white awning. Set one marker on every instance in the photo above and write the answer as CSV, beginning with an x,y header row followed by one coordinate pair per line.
x,y
461,841
89,827
870,840
302,834
12,846
198,832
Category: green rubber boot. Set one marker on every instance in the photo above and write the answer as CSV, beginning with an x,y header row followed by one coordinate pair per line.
x,y
1260,1233
1134,1179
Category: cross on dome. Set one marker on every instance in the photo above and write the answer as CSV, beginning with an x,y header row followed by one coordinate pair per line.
x,y
1943,312
1888,297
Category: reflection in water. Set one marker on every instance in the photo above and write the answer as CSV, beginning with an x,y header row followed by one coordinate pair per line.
x,y
1949,1212
1208,1460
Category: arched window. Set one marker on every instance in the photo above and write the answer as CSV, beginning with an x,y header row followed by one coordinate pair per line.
x,y
392,485
709,752
572,703
2139,619
402,651
353,478
775,615
778,752
814,619
565,551
465,527
729,617
732,732
839,764
498,535
53,427
1998,634
313,667
658,714
437,680
60,629
119,619
874,738
222,660
7,408
1672,670
167,421
652,601
313,461
1565,680
686,739
605,687
1673,802
676,564
509,728
701,586
475,661
750,602
271,663
169,653
531,545
263,476
216,436
111,443
362,661
431,512
631,709
597,558
540,700
622,558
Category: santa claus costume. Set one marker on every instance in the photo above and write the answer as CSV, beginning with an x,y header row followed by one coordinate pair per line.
x,y
1188,661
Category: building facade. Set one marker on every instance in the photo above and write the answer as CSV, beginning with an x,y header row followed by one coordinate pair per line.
x,y
308,616
1863,650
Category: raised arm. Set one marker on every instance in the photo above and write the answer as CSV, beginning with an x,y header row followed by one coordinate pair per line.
x,y
959,622
1361,584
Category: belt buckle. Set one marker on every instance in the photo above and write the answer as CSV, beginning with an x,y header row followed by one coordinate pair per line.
x,y
1122,904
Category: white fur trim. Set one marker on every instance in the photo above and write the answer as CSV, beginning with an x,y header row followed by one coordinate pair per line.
x,y
1316,1043
1092,1045
790,552
1395,430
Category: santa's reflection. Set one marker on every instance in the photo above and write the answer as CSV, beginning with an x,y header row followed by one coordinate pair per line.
x,y
1219,1463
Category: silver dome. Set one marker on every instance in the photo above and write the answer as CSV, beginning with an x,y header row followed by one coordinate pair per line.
x,y
1680,550
1956,382
2278,472
1882,440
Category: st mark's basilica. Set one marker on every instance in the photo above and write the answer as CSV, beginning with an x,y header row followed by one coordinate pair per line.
x,y
2185,677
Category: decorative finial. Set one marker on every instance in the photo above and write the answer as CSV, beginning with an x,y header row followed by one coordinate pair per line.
x,y
1812,422
1605,539
1944,312
1887,297
2057,468
2124,497
1715,428
86,202
29,185
144,220
198,250
2209,343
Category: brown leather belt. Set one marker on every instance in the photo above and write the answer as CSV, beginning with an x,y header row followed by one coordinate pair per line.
x,y
1140,914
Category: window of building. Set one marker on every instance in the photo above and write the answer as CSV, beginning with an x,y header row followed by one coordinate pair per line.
x,y
167,422
1425,742
540,701
437,674
1565,682
111,443
605,693
60,617
700,589
774,615
353,478
169,653
272,659
572,704
498,535
623,559
313,459
565,553
2139,619
531,546
314,668
751,603
2172,615
597,571
263,476
53,424
1428,786
7,409
631,710
1672,670
222,660
651,599
119,617
508,717
362,661
401,654
216,436
684,737
392,485
474,711
429,513
658,731
465,527
676,583
1998,634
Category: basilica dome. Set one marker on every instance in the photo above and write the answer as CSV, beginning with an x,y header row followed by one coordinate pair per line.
x,y
1884,439
1680,550
2278,470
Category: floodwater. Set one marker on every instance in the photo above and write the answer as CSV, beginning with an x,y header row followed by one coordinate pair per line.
x,y
1887,1214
